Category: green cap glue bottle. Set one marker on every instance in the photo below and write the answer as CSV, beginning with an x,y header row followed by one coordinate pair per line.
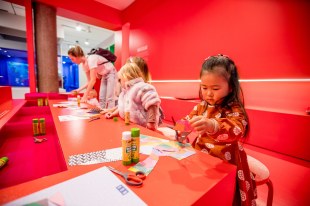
x,y
135,144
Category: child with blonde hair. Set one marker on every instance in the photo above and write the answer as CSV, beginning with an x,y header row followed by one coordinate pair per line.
x,y
137,97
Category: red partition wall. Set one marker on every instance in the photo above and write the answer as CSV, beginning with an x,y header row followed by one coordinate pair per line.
x,y
6,94
267,39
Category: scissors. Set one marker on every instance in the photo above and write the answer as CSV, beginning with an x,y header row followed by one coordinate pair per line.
x,y
133,180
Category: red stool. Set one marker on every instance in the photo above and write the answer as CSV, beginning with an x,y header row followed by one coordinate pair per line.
x,y
262,175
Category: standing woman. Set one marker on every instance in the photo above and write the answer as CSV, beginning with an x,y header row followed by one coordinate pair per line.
x,y
94,67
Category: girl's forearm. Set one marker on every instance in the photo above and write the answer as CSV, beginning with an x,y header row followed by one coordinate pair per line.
x,y
82,87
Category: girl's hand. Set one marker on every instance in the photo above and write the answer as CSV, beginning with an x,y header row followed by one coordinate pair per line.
x,y
84,99
75,92
201,124
109,115
151,126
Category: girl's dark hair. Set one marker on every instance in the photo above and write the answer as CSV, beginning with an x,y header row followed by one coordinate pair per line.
x,y
213,64
76,51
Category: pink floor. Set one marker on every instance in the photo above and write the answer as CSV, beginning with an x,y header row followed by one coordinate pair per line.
x,y
290,178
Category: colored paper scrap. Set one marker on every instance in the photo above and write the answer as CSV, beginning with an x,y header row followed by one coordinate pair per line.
x,y
175,149
146,165
183,126
151,139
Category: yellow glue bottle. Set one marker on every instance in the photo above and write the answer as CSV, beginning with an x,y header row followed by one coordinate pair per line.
x,y
35,127
126,148
42,126
127,117
78,98
3,161
135,145
46,101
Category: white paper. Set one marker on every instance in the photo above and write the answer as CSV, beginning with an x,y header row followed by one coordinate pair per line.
x,y
64,118
99,187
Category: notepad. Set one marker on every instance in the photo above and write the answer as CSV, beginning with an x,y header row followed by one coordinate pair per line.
x,y
98,187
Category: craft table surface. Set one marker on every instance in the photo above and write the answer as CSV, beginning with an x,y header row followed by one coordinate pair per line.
x,y
199,179
12,106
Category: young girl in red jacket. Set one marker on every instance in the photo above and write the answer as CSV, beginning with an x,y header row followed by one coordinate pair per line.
x,y
221,121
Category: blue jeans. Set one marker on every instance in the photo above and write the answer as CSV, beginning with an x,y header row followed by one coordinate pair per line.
x,y
107,90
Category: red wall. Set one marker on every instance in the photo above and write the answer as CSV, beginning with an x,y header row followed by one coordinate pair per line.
x,y
267,39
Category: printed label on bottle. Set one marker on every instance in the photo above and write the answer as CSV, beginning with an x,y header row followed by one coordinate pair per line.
x,y
42,126
135,145
126,152
35,127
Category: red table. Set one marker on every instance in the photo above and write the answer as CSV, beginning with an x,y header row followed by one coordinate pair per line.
x,y
199,179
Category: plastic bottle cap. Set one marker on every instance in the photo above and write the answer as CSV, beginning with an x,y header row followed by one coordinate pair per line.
x,y
135,132
126,135
35,120
5,159
42,119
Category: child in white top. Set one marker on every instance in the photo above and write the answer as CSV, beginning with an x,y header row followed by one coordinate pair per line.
x,y
137,97
92,98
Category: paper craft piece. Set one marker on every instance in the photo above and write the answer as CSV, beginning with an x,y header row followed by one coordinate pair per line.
x,y
98,187
43,202
150,139
183,126
148,143
146,165
55,200
175,149
109,155
164,150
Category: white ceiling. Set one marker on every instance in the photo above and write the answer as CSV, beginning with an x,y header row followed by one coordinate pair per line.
x,y
117,4
66,28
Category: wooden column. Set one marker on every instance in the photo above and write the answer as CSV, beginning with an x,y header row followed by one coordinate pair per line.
x,y
46,47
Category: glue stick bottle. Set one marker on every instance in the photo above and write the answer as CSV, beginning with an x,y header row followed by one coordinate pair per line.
x,y
42,126
126,148
3,161
127,117
135,144
78,98
127,113
35,127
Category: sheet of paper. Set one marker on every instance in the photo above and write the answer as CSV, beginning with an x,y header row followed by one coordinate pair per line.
x,y
99,187
175,149
64,118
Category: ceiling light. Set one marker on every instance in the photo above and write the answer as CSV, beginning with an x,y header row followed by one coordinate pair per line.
x,y
78,28
86,42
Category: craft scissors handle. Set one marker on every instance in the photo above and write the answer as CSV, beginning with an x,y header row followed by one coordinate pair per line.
x,y
134,180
